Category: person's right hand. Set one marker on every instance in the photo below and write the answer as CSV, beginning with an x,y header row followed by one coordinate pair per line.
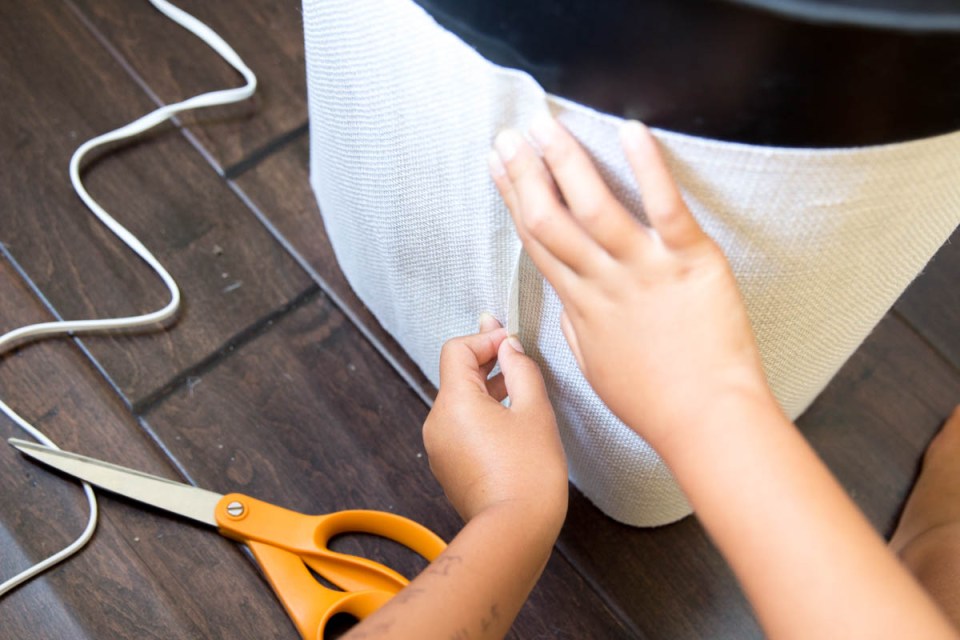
x,y
653,314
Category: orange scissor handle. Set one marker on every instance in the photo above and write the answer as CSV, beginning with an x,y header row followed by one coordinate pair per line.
x,y
283,541
308,603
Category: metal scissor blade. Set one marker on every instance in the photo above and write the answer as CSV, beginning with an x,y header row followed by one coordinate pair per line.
x,y
182,499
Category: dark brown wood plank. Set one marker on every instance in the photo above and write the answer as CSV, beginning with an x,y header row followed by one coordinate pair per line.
x,y
279,190
60,87
669,582
268,36
870,425
932,302
309,416
143,574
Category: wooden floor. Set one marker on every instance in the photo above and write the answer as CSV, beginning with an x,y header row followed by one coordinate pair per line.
x,y
275,380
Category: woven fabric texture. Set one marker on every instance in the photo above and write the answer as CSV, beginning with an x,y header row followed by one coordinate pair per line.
x,y
402,115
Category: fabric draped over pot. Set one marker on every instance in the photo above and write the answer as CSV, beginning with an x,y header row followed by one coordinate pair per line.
x,y
402,116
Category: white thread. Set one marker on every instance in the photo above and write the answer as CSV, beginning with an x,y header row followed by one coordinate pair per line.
x,y
72,327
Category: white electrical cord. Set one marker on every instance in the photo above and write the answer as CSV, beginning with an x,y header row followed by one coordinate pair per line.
x,y
142,124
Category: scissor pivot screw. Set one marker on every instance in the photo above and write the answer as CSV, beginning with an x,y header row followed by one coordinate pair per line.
x,y
235,509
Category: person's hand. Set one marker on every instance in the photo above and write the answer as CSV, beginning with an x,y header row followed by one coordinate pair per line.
x,y
652,314
486,455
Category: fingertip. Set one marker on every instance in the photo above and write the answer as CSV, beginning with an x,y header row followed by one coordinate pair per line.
x,y
510,354
507,144
512,357
521,374
497,169
634,134
520,161
544,130
488,322
643,153
500,178
461,356
502,181
509,349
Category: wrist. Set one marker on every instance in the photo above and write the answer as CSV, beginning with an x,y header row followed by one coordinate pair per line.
x,y
724,415
535,524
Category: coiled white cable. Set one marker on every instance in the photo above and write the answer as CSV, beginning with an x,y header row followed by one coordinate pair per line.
x,y
72,327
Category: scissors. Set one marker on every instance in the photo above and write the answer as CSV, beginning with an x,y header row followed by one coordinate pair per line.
x,y
283,542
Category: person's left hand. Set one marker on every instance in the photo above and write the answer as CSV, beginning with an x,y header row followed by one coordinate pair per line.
x,y
486,455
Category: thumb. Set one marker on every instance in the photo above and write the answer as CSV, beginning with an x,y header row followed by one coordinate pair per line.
x,y
521,375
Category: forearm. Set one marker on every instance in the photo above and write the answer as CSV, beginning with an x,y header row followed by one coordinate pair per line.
x,y
809,562
475,588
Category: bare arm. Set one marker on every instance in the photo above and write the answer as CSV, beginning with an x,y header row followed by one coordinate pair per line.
x,y
474,590
655,320
808,560
481,453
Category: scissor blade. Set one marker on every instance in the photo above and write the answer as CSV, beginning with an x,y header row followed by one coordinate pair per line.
x,y
182,499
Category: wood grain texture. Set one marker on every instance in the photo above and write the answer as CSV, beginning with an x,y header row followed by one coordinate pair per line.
x,y
932,303
669,582
268,36
60,88
308,416
143,574
279,190
268,388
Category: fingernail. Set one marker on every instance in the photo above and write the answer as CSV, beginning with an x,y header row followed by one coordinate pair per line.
x,y
514,342
507,143
631,134
497,170
542,129
488,322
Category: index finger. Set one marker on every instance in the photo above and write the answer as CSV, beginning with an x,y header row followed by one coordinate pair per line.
x,y
462,359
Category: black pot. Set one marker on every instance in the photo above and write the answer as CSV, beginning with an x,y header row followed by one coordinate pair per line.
x,y
810,73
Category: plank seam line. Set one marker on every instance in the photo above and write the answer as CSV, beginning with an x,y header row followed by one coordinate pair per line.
x,y
119,58
165,452
258,155
232,344
52,310
616,611
27,280
243,165
238,340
